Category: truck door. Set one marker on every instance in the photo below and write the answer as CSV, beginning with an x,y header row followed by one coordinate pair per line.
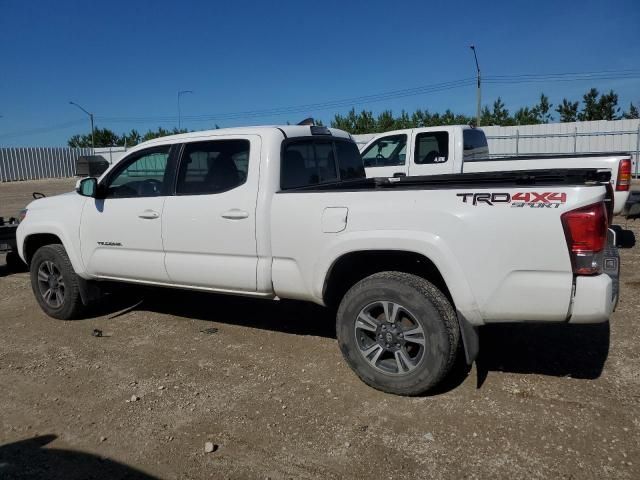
x,y
432,153
386,156
120,232
209,225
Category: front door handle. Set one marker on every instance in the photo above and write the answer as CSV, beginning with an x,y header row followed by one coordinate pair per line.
x,y
149,214
399,174
235,214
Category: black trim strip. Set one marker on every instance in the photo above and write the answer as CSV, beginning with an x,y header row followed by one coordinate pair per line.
x,y
548,156
549,177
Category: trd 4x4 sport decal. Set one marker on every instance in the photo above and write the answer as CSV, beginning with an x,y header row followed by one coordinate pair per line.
x,y
517,200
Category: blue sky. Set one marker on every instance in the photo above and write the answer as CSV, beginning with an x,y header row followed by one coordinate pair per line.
x,y
124,60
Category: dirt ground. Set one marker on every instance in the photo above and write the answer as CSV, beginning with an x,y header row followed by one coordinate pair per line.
x,y
266,384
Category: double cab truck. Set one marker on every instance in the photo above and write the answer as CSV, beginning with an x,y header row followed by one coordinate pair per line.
x,y
412,266
464,149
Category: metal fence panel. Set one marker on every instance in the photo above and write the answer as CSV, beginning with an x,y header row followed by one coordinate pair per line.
x,y
577,137
33,163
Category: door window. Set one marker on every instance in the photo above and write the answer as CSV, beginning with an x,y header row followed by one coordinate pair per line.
x,y
432,147
142,176
386,152
213,167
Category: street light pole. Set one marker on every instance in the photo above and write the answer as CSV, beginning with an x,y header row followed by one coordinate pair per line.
x,y
90,118
180,93
479,94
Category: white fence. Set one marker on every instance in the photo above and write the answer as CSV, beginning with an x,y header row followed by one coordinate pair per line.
x,y
576,137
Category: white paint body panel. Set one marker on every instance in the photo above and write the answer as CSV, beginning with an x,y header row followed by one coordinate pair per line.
x,y
140,255
499,263
210,240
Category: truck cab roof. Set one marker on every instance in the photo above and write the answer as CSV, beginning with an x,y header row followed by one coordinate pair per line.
x,y
288,131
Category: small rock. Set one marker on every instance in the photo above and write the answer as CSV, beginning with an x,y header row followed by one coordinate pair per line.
x,y
134,398
103,439
475,434
428,437
209,447
347,444
161,387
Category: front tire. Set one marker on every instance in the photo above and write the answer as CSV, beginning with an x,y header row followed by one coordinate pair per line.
x,y
55,283
398,333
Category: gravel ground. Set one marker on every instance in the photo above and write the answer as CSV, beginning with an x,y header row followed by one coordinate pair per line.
x,y
264,383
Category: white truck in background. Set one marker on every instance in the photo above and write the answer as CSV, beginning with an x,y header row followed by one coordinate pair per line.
x,y
464,149
413,265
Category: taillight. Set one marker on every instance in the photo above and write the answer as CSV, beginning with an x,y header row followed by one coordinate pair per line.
x,y
585,230
624,175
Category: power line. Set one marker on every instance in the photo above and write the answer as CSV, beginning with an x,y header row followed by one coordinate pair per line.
x,y
306,107
351,102
390,95
598,72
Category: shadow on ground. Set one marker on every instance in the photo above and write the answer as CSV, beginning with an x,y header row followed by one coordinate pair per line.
x,y
579,351
28,459
559,350
286,316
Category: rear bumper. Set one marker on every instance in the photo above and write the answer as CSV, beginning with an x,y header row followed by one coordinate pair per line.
x,y
596,297
594,300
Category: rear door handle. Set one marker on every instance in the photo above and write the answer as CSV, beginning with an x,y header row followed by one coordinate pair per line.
x,y
235,214
149,214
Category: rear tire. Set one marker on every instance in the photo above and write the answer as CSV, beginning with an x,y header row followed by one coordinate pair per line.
x,y
55,283
398,333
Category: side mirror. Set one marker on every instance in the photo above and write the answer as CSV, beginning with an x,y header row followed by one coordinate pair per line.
x,y
87,187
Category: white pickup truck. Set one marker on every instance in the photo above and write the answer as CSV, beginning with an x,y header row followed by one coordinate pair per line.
x,y
464,149
413,265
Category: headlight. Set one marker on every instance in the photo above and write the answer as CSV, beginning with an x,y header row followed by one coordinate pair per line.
x,y
22,215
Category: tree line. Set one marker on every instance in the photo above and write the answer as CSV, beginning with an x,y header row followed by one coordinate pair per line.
x,y
103,137
594,106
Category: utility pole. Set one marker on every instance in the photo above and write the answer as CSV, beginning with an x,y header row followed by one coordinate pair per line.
x,y
180,93
91,119
479,94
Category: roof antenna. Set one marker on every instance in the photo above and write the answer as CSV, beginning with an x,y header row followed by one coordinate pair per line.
x,y
308,121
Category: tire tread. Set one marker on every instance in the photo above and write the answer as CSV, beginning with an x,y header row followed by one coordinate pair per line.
x,y
440,302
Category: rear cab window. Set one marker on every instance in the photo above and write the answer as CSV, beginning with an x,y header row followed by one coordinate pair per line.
x,y
475,144
315,161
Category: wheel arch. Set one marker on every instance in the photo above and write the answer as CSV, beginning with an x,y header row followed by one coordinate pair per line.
x,y
351,267
38,240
